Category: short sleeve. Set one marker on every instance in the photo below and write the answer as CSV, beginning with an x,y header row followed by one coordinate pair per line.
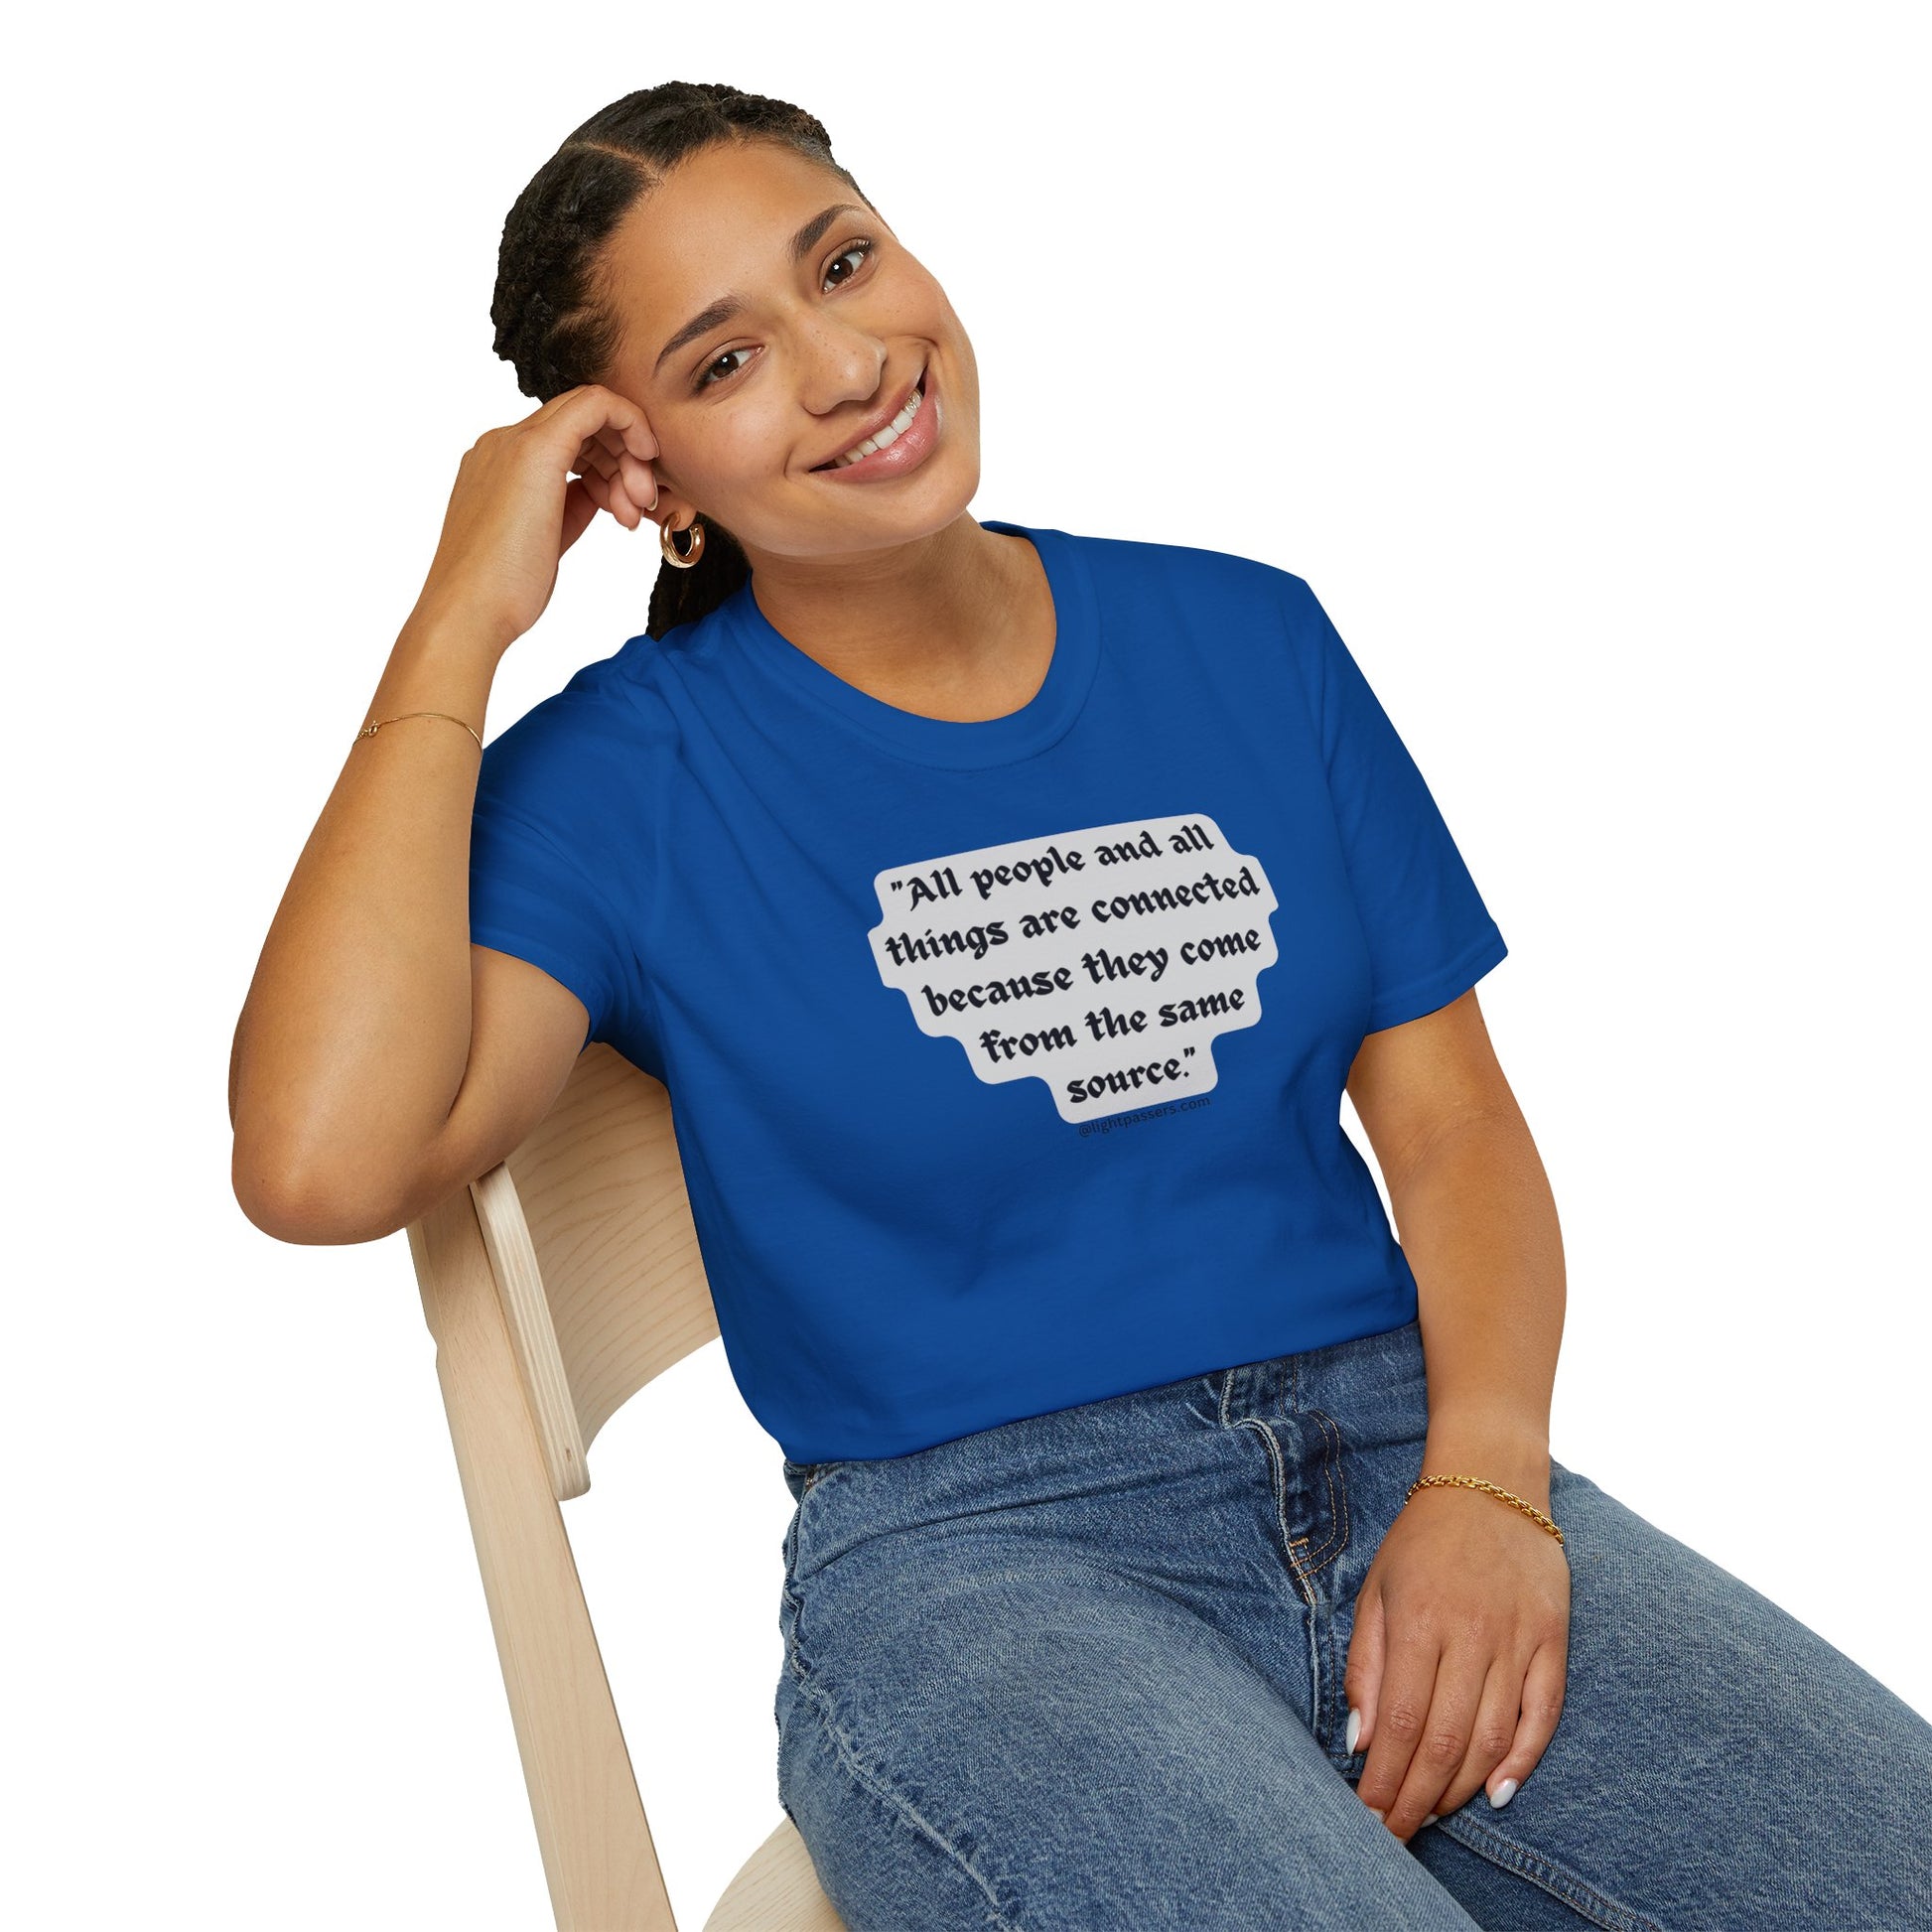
x,y
1431,937
530,892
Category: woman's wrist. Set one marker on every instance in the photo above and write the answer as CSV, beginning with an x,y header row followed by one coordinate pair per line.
x,y
440,662
1512,1454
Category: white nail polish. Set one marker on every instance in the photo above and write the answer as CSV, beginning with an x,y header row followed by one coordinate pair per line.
x,y
1378,1816
1354,1731
1432,1818
1502,1794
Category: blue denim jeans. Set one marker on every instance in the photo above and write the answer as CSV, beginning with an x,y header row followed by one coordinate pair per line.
x,y
1084,1671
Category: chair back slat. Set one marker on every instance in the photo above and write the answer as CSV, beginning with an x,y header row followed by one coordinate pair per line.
x,y
505,1232
623,1296
597,1857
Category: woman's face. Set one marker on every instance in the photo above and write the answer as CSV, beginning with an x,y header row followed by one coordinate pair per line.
x,y
746,406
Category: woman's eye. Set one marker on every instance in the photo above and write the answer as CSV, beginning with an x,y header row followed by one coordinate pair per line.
x,y
708,376
860,248
705,376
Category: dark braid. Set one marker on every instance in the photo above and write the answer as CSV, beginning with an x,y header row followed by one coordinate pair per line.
x,y
553,317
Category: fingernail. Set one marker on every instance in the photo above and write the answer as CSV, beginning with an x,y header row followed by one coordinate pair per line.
x,y
1354,1731
1378,1816
1502,1794
1432,1818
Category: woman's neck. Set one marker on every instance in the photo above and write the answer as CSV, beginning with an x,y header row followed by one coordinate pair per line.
x,y
959,624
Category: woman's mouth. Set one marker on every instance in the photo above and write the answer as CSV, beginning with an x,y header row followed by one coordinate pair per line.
x,y
902,445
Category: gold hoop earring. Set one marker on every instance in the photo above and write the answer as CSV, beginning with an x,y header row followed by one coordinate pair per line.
x,y
667,542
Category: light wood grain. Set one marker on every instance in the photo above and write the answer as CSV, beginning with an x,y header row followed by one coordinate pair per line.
x,y
557,1286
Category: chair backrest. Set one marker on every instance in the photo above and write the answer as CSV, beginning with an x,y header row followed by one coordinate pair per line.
x,y
589,1233
556,1285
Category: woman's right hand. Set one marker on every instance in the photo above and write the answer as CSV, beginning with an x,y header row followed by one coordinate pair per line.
x,y
524,495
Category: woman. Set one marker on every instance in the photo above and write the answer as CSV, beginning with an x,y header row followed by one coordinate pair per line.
x,y
1005,912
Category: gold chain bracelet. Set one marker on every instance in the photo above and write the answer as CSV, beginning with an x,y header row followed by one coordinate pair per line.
x,y
1477,1483
370,731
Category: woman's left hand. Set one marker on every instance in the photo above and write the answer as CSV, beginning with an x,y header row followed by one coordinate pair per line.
x,y
1459,1655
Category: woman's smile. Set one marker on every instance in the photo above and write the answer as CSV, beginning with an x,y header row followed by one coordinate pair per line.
x,y
899,445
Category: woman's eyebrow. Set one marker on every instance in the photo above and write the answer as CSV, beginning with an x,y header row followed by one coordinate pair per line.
x,y
729,304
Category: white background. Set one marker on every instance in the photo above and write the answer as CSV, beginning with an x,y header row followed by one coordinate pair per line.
x,y
1576,359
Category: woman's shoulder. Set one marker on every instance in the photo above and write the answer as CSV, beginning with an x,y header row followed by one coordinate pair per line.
x,y
594,726
1232,604
1197,567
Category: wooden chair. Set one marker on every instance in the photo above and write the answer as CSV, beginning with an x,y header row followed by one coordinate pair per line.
x,y
556,1285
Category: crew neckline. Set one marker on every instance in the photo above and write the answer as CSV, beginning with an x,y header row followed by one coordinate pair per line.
x,y
960,744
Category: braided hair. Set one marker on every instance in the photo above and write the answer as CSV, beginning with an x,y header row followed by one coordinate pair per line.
x,y
553,317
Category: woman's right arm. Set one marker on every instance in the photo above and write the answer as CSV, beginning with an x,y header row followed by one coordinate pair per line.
x,y
380,1059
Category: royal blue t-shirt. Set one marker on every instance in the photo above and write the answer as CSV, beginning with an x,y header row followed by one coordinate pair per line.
x,y
1006,1058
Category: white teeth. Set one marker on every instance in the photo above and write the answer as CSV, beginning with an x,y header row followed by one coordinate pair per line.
x,y
887,436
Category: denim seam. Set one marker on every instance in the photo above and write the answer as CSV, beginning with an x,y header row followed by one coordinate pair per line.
x,y
1337,1493
1308,1565
791,1642
1327,1704
794,1662
1305,1562
792,1602
1320,1663
880,1787
1326,1689
1561,1884
1277,1464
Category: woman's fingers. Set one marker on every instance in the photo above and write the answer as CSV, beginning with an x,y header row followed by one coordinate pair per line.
x,y
1490,1737
615,444
1486,1723
597,487
636,487
603,410
638,482
594,456
1396,1691
1430,1698
623,484
1362,1678
578,508
1542,1705
630,463
629,420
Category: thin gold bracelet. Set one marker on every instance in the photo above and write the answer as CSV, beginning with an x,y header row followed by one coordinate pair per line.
x,y
1477,1483
370,731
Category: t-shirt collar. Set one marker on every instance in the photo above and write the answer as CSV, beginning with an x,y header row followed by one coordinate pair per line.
x,y
957,742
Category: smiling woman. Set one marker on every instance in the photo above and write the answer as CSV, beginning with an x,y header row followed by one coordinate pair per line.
x,y
1174,1545
802,341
